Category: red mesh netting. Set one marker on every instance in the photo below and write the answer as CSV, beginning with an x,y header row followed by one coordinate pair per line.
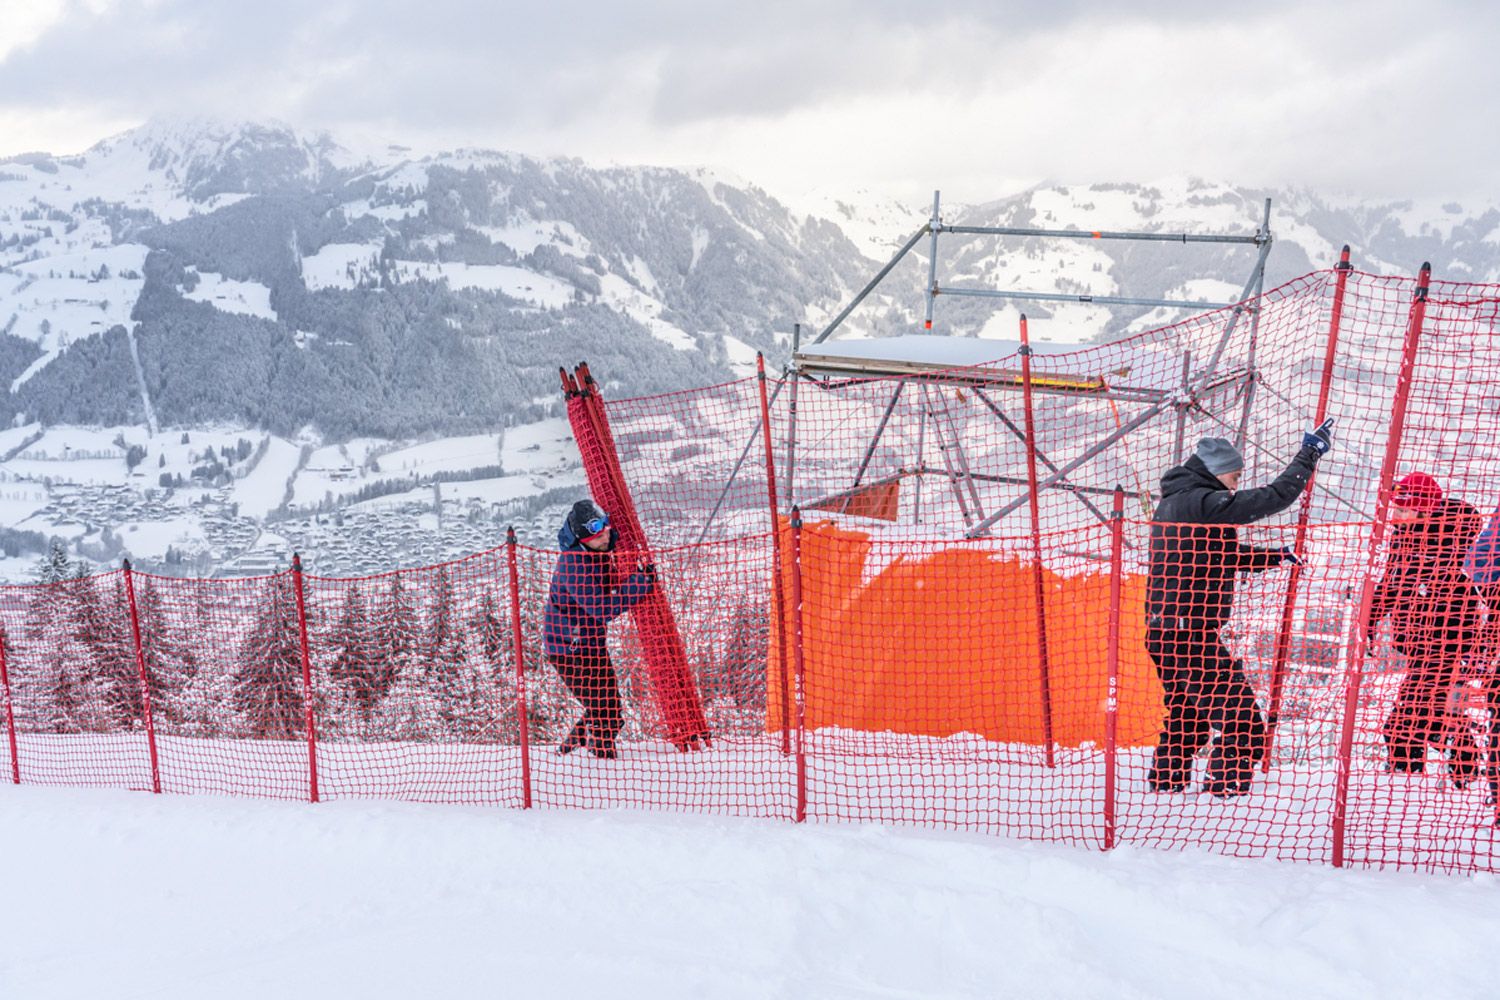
x,y
661,643
913,647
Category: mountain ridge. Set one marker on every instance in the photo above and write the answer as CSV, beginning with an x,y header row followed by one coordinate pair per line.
x,y
215,337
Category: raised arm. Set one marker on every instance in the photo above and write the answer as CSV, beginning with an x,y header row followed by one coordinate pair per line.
x,y
1245,506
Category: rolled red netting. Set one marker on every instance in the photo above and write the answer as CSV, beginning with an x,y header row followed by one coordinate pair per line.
x,y
671,679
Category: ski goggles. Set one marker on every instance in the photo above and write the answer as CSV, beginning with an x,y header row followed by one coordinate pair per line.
x,y
595,526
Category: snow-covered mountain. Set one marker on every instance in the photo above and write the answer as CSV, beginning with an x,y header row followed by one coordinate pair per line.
x,y
335,292
255,320
1462,243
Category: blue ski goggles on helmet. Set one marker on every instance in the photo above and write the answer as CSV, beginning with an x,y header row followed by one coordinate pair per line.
x,y
595,525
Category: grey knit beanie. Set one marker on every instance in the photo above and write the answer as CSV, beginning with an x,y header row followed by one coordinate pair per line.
x,y
1220,456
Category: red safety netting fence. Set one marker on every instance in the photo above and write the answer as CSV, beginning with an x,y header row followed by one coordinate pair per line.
x,y
917,641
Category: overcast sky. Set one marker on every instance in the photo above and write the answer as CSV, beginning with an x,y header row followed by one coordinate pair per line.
x,y
981,99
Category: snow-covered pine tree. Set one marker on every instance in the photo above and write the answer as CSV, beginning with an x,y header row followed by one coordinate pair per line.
x,y
460,689
268,683
204,706
59,711
443,642
492,636
357,664
742,676
54,677
55,565
410,713
101,627
170,663
396,630
37,662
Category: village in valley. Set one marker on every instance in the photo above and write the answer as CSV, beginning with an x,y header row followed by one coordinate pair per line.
x,y
241,502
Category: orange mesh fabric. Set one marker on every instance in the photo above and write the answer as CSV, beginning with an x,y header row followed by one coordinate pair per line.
x,y
945,641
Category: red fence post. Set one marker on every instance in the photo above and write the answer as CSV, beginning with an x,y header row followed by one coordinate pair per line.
x,y
520,653
140,668
1036,543
1359,636
10,717
777,599
801,676
1112,695
1284,637
307,691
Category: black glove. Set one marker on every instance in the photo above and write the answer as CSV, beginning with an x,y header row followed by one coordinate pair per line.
x,y
1319,438
1288,557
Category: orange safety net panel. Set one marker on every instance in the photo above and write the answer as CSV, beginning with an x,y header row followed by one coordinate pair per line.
x,y
906,651
879,500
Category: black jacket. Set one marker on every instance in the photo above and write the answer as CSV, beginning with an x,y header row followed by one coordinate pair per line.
x,y
1433,606
1437,541
1195,549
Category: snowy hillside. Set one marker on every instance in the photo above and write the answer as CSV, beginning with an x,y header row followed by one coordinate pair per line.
x,y
191,285
194,284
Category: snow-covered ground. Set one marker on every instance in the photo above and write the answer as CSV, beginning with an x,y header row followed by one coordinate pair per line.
x,y
63,297
339,265
132,895
517,282
249,298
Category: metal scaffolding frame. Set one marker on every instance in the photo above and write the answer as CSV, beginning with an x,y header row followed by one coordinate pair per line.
x,y
822,367
829,370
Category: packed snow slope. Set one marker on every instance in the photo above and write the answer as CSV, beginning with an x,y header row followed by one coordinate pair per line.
x,y
130,896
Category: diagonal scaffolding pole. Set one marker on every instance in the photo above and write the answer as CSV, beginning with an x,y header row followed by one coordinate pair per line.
x,y
1041,456
1062,473
739,463
1250,358
864,292
1234,317
885,418
955,464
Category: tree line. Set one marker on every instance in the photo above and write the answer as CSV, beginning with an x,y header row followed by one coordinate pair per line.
x,y
427,656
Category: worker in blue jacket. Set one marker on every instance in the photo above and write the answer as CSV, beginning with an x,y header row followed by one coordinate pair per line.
x,y
581,602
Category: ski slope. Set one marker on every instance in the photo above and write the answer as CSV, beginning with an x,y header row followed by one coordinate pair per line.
x,y
130,895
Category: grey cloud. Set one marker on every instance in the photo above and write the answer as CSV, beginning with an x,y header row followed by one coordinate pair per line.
x,y
1393,98
452,55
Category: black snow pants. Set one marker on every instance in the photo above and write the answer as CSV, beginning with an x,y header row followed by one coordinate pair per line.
x,y
1419,718
1204,689
590,676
